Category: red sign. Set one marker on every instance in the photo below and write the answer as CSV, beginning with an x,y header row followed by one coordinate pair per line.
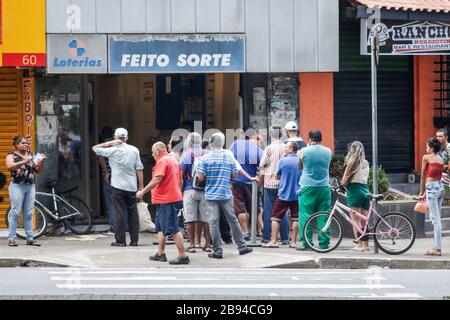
x,y
24,59
28,106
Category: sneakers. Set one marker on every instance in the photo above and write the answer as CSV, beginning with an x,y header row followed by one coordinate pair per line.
x,y
214,255
245,251
180,260
156,257
133,244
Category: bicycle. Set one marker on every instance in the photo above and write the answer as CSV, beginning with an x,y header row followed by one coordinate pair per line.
x,y
394,232
66,208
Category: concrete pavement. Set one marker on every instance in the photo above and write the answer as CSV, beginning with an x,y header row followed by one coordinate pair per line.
x,y
94,251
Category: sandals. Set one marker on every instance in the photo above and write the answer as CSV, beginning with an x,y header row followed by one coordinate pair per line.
x,y
359,249
191,249
32,243
434,252
12,243
270,245
207,249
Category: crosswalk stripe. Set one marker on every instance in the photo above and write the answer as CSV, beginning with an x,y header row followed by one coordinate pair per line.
x,y
228,286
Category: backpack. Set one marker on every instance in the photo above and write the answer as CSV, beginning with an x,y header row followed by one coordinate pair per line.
x,y
196,184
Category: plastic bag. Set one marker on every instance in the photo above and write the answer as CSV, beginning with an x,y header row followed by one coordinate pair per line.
x,y
145,219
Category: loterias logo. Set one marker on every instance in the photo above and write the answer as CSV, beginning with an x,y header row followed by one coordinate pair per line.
x,y
77,51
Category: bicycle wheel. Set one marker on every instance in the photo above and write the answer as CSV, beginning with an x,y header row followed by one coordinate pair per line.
x,y
394,233
317,238
80,223
38,223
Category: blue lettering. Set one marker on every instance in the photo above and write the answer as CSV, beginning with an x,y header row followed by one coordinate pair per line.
x,y
99,63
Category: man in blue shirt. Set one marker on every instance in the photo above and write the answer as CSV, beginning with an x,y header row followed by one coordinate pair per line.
x,y
249,155
315,194
289,174
218,167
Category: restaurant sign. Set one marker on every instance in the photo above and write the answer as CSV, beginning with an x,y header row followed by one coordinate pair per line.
x,y
414,38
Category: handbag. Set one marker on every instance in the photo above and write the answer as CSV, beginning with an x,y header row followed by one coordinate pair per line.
x,y
145,219
422,207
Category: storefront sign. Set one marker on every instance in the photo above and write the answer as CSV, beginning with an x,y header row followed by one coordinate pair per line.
x,y
414,38
176,53
22,33
28,106
77,53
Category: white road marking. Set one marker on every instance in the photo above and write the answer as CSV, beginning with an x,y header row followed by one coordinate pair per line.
x,y
229,286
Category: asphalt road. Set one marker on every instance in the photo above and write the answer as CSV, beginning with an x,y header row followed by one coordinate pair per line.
x,y
238,284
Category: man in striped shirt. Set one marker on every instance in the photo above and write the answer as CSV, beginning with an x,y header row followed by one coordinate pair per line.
x,y
267,168
218,167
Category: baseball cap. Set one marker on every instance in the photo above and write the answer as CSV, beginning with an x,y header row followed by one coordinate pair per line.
x,y
121,133
291,125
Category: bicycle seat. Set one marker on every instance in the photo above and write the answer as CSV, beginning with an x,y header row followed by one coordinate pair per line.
x,y
51,183
375,196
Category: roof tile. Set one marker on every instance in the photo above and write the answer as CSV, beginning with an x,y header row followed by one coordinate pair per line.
x,y
413,5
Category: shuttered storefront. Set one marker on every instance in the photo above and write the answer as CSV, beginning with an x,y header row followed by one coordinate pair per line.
x,y
353,103
10,124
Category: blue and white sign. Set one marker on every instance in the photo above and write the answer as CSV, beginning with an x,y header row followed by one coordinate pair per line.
x,y
76,54
176,53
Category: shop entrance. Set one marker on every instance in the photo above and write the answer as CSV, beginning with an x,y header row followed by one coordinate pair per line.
x,y
151,106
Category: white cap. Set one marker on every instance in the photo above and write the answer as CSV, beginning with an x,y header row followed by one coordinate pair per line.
x,y
121,133
290,126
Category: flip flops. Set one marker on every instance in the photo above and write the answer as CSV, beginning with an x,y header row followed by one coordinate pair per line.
x,y
434,252
12,243
32,243
191,249
207,249
270,245
359,249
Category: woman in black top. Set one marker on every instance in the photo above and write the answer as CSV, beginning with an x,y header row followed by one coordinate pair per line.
x,y
22,188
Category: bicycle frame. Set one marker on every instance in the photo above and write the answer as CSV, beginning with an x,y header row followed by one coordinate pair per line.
x,y
341,209
54,214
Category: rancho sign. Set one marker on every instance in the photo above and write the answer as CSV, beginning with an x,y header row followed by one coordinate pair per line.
x,y
414,38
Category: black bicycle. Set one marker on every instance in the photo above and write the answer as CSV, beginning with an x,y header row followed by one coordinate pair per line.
x,y
63,207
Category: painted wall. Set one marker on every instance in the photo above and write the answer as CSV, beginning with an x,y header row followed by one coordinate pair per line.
x,y
423,103
316,106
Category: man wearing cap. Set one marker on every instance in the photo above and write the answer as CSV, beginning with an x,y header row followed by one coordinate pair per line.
x,y
292,134
315,193
125,165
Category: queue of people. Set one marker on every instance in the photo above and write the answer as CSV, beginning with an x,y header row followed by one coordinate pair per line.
x,y
213,187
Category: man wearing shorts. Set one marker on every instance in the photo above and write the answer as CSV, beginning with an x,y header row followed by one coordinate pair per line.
x,y
289,174
248,154
166,194
194,203
315,193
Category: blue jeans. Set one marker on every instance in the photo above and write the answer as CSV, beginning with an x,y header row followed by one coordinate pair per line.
x,y
226,206
107,191
22,200
435,195
269,199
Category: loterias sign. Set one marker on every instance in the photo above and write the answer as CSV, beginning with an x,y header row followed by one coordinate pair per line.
x,y
176,53
415,38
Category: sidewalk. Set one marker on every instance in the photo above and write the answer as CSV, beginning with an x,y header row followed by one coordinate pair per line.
x,y
94,251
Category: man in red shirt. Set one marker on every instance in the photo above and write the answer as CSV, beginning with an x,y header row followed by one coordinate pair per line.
x,y
166,194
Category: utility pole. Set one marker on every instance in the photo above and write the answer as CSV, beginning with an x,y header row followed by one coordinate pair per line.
x,y
375,60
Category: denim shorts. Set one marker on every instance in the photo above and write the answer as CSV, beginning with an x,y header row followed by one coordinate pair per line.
x,y
167,218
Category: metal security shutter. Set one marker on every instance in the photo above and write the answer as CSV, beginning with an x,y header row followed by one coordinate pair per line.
x,y
10,125
353,104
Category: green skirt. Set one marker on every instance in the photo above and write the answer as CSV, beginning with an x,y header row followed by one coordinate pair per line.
x,y
357,196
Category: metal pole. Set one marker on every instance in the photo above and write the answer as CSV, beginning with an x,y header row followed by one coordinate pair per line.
x,y
254,216
374,58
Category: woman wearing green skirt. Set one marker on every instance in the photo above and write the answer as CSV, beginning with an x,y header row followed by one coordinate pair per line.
x,y
355,179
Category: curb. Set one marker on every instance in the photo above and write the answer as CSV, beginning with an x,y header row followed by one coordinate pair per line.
x,y
364,263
